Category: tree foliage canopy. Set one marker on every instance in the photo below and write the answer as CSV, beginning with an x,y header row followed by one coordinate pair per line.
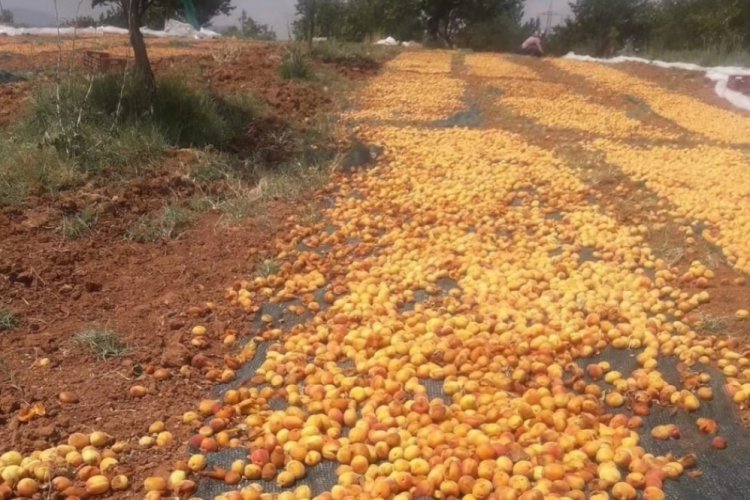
x,y
156,12
605,27
480,24
250,28
6,17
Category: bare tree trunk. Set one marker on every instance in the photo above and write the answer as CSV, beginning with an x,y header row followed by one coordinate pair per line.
x,y
142,63
311,23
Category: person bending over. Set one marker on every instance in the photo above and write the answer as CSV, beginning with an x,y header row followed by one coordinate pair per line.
x,y
533,46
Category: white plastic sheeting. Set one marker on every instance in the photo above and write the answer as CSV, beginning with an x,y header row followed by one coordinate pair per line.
x,y
172,28
718,74
390,41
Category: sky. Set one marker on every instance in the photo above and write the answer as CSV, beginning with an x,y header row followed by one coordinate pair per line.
x,y
277,13
536,8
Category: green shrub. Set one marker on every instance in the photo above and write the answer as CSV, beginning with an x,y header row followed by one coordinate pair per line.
x,y
182,115
26,169
110,125
296,67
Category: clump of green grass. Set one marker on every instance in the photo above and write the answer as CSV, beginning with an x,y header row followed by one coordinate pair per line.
x,y
267,268
169,223
112,126
290,181
79,224
713,324
8,320
104,344
296,66
673,254
25,169
311,215
243,201
213,167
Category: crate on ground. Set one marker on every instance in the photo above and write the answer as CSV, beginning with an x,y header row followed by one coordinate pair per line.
x,y
103,62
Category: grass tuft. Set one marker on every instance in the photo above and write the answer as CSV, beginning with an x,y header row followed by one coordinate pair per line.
x,y
243,201
673,255
8,320
105,344
110,126
310,215
267,268
78,225
713,324
214,167
295,66
166,225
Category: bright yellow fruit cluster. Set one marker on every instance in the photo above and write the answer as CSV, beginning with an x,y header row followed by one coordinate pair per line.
x,y
708,184
497,66
409,96
409,90
558,106
468,281
87,465
687,112
454,313
574,112
427,62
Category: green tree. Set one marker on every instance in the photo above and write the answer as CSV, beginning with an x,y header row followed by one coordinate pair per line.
x,y
604,26
503,32
163,10
690,24
114,16
6,17
327,17
136,12
249,28
400,19
448,21
481,23
158,12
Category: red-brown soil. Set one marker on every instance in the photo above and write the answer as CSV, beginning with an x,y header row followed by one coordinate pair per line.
x,y
149,294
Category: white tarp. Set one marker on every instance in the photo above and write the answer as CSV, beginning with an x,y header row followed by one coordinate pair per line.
x,y
172,28
390,41
718,74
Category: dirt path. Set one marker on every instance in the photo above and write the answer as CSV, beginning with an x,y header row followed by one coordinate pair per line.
x,y
534,288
